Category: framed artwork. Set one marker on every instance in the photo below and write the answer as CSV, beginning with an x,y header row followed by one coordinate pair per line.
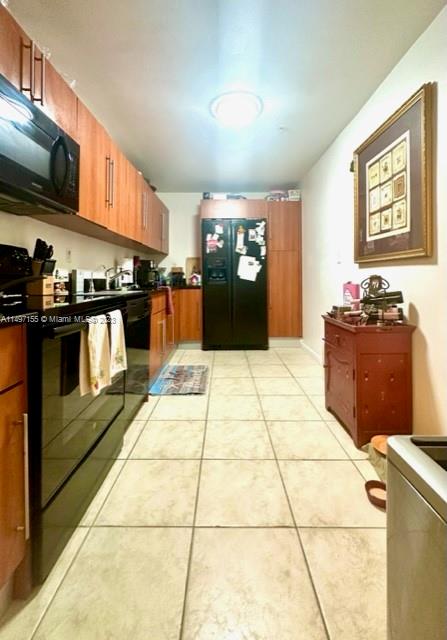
x,y
393,185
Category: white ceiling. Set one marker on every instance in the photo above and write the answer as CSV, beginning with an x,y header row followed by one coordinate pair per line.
x,y
149,68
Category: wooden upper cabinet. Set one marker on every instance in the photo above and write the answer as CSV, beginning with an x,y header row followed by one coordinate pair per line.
x,y
10,47
155,221
164,229
60,102
94,191
284,230
234,209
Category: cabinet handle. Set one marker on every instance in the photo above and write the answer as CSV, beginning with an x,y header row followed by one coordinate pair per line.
x,y
107,180
40,59
23,421
112,183
42,78
23,87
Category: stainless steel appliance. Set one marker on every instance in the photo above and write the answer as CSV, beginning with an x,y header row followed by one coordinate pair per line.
x,y
234,258
39,163
417,538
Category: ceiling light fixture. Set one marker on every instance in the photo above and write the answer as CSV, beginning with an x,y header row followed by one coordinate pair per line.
x,y
236,109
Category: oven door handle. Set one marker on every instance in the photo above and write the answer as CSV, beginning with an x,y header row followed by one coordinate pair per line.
x,y
60,332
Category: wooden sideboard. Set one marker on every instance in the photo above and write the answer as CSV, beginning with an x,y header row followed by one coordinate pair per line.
x,y
368,378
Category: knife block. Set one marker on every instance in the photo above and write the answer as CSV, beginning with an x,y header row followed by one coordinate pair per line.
x,y
44,287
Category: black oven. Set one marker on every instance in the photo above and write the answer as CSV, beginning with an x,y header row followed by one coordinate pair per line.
x,y
39,162
73,439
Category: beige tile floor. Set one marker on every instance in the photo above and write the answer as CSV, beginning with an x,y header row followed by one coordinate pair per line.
x,y
238,515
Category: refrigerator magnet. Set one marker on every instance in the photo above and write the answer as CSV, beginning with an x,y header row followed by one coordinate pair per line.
x,y
240,238
252,235
218,229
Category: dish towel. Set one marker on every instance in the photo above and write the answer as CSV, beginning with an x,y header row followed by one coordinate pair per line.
x,y
169,301
118,357
94,357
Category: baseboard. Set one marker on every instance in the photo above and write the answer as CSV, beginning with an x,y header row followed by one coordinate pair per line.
x,y
285,342
189,345
311,352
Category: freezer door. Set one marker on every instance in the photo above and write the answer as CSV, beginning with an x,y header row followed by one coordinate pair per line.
x,y
216,284
249,283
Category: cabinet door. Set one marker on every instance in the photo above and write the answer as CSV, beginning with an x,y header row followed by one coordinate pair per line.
x,y
339,385
156,345
60,102
155,221
284,226
384,402
12,350
94,191
190,314
164,229
10,47
284,278
12,481
234,209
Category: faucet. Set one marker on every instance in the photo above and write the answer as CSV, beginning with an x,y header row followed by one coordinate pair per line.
x,y
117,275
108,278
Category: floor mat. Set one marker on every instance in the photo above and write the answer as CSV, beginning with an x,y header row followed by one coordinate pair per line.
x,y
181,380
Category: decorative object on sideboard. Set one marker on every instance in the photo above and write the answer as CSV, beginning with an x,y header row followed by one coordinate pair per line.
x,y
377,306
393,185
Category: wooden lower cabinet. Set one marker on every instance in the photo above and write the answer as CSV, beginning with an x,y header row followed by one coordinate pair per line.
x,y
13,407
158,342
190,314
368,378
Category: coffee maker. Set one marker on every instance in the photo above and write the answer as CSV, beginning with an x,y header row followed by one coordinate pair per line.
x,y
147,275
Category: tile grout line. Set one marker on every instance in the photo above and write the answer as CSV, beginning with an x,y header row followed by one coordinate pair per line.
x,y
300,542
199,477
51,600
87,535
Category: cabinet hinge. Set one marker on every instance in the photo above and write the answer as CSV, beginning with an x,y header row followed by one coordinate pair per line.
x,y
353,411
353,374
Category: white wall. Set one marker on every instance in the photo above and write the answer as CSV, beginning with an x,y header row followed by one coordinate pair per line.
x,y
184,225
86,253
328,219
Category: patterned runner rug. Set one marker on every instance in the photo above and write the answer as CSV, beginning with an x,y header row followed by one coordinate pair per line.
x,y
181,380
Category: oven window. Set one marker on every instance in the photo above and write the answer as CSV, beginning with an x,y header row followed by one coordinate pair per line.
x,y
71,424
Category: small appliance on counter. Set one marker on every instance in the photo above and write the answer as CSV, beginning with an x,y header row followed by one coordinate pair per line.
x,y
147,275
177,277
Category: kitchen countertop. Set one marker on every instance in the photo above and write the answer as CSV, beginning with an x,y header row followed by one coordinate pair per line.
x,y
31,311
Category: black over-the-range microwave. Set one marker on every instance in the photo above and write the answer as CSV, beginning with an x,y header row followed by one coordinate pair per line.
x,y
39,162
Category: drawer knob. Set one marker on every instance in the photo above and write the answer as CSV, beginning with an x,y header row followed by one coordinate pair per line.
x,y
366,376
392,377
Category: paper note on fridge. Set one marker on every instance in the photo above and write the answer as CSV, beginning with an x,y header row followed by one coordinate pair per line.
x,y
218,229
248,268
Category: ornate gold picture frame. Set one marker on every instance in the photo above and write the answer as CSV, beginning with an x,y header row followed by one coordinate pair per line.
x,y
393,185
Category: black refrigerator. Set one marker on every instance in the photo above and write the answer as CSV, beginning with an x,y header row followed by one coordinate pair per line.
x,y
234,265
